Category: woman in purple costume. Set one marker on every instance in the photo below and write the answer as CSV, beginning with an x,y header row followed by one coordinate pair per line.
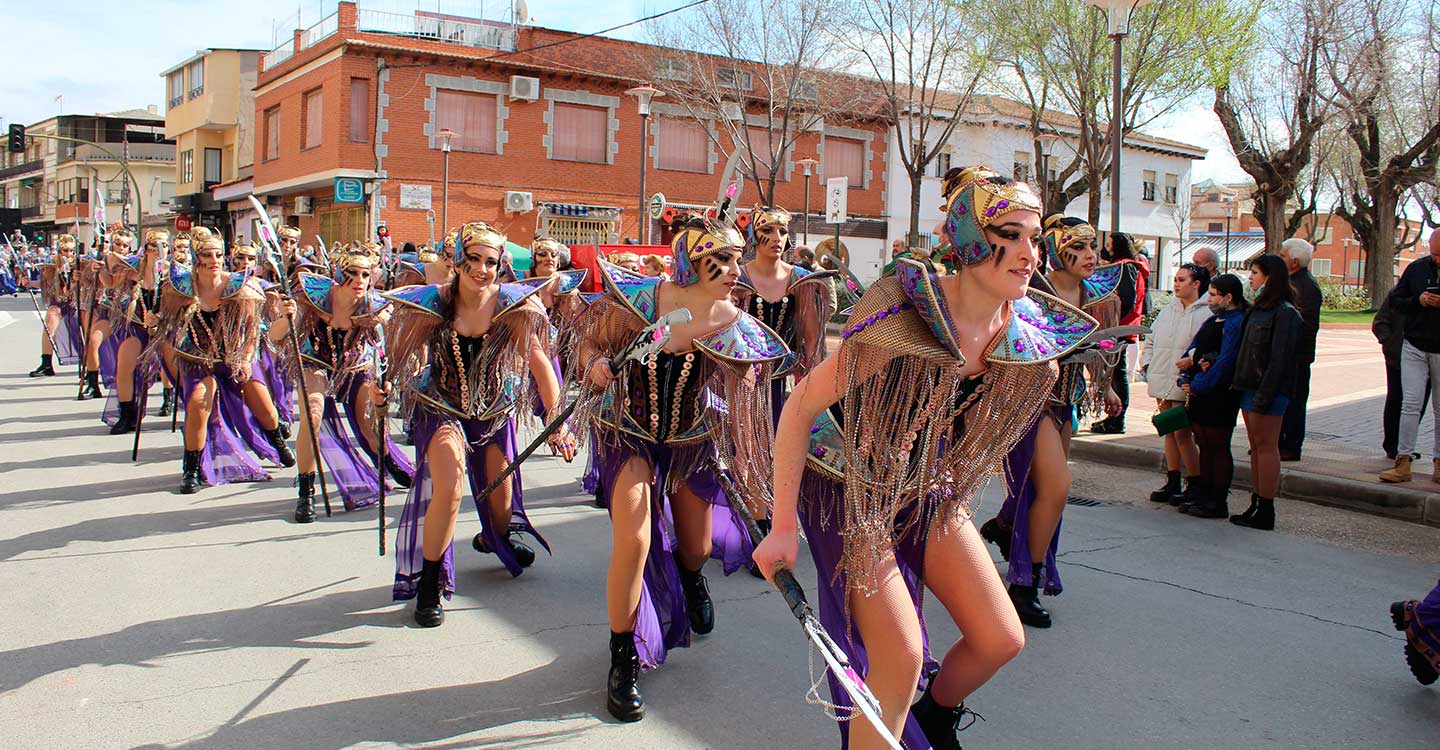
x,y
270,360
1027,528
882,446
462,351
338,326
659,425
1420,621
208,331
94,318
137,279
62,324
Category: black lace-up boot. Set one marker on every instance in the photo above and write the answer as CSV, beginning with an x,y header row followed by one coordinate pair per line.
x,y
622,697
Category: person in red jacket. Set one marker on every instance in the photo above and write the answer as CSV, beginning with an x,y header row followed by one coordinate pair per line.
x,y
1133,286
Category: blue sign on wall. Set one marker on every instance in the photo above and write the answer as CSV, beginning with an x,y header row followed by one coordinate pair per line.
x,y
349,190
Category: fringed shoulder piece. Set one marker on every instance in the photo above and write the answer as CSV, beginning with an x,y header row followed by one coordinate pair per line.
x,y
423,298
513,295
1103,283
1041,328
746,341
239,285
117,263
886,317
800,276
181,281
922,289
640,294
314,289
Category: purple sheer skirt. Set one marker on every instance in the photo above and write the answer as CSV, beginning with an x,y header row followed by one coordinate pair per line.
x,y
409,555
142,377
270,370
661,622
823,498
349,462
233,438
590,480
1422,626
69,339
1014,517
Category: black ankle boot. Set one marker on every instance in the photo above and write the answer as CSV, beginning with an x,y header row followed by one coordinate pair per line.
x,y
939,723
697,599
277,441
126,421
1261,514
190,473
1171,488
44,370
524,555
992,532
1195,492
1027,600
1216,504
167,402
622,691
305,504
397,474
92,385
429,613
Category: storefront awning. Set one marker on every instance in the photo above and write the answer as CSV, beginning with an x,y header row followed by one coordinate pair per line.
x,y
581,210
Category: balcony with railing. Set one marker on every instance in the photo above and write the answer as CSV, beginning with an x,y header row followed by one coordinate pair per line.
x,y
392,18
23,168
272,59
325,28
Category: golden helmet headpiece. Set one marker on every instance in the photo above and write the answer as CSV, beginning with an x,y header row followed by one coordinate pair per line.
x,y
765,216
1058,236
975,199
288,233
203,238
344,263
156,235
692,243
65,242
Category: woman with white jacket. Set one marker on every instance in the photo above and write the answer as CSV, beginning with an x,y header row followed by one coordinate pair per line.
x,y
1171,333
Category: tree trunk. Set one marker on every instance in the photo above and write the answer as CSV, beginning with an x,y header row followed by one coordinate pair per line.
x,y
1270,210
1092,211
1380,257
914,235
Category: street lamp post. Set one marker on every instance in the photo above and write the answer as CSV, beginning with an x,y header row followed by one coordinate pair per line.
x,y
644,94
808,164
445,135
1047,146
1118,12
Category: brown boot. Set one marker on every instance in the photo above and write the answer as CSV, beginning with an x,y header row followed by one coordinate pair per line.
x,y
1400,472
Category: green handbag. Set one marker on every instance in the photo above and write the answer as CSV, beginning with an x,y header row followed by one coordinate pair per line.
x,y
1172,419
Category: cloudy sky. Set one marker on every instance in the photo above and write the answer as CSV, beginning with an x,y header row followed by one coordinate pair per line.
x,y
107,56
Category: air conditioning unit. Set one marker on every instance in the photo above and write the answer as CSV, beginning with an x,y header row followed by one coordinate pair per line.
x,y
524,88
731,111
517,202
303,206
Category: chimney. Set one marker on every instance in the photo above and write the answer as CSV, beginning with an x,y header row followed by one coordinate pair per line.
x,y
153,109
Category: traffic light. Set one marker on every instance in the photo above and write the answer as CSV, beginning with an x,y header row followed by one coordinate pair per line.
x,y
15,143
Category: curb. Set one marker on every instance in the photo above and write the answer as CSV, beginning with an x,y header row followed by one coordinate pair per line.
x,y
1337,492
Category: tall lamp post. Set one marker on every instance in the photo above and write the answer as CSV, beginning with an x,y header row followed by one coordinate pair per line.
x,y
808,164
445,135
1047,147
644,94
1118,12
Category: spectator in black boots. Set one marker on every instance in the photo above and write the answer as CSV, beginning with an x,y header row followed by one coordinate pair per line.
x,y
1170,335
1213,406
1389,329
1265,378
1297,253
1133,286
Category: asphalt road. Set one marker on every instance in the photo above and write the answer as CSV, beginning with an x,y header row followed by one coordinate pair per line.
x,y
138,617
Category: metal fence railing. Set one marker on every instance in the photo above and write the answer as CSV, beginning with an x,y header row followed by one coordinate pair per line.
x,y
326,27
278,55
420,25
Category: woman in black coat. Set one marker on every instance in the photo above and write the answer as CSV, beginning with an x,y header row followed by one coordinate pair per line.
x,y
1265,378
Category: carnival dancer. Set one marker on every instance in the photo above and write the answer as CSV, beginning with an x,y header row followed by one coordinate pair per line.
x,y
338,327
137,279
180,252
208,331
659,425
94,323
792,301
427,267
882,446
270,362
463,351
1027,528
61,338
1420,621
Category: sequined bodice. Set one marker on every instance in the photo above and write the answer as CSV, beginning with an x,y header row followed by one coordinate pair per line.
x,y
779,316
666,398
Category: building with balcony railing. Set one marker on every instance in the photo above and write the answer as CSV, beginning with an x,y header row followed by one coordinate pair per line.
x,y
213,127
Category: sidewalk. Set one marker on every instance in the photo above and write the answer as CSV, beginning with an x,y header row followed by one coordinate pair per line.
x,y
1342,454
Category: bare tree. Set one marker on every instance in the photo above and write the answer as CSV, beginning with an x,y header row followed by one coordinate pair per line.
x,y
764,79
1385,70
1061,48
928,56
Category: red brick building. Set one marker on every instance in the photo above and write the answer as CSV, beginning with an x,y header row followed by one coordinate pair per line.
x,y
546,139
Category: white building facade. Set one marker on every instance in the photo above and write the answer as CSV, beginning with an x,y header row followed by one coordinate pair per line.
x,y
1155,180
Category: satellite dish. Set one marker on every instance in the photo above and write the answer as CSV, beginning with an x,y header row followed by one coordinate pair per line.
x,y
522,11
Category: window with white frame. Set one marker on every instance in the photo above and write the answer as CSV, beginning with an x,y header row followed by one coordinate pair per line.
x,y
471,117
806,91
175,89
187,166
1357,268
672,69
580,133
1322,236
942,162
1020,166
845,157
682,145
734,78
1172,189
1320,267
1147,185
197,78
